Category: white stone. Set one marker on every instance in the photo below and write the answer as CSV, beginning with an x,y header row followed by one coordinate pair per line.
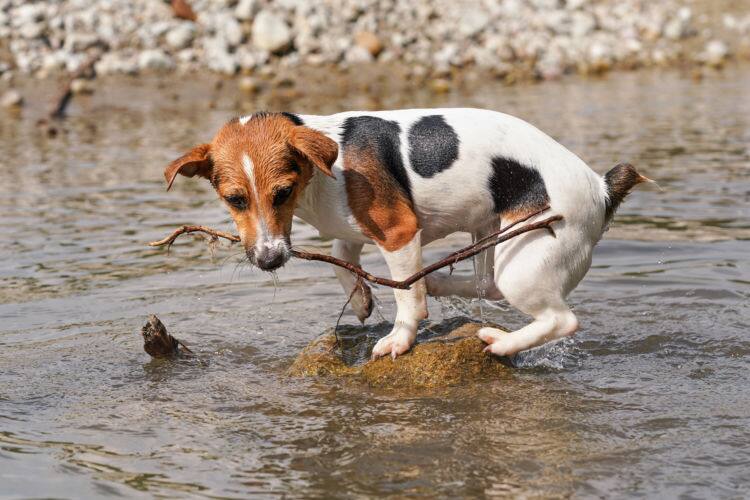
x,y
246,9
715,52
155,59
81,86
181,36
270,32
27,13
358,55
679,26
31,30
582,24
232,32
217,56
11,99
471,22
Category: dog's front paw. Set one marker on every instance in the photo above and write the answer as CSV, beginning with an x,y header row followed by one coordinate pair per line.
x,y
395,343
362,302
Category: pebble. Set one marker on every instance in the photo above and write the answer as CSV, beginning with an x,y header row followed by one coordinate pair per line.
x,y
181,36
248,84
11,99
81,86
270,32
155,59
246,9
370,42
715,53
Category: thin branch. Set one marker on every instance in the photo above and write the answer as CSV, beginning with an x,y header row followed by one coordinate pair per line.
x,y
491,240
66,93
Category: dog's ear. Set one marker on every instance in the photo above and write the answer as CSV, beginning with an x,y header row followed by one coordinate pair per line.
x,y
197,161
315,147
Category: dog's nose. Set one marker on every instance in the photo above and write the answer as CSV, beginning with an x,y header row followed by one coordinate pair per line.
x,y
269,259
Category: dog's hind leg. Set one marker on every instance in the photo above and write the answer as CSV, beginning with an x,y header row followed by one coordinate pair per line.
x,y
362,298
535,272
481,285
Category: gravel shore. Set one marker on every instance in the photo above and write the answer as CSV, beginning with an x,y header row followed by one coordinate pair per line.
x,y
541,39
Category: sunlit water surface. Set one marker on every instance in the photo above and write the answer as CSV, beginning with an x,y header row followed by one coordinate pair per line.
x,y
651,398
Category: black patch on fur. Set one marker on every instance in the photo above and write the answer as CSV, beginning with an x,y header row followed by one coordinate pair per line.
x,y
382,138
620,180
293,118
433,145
516,187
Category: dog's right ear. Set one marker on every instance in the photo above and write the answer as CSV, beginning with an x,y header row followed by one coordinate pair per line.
x,y
197,161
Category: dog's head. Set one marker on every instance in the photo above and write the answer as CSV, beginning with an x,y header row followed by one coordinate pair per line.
x,y
259,165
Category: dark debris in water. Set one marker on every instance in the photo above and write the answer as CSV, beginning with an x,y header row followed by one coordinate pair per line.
x,y
158,343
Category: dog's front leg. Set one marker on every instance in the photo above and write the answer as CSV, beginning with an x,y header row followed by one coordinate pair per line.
x,y
411,304
362,298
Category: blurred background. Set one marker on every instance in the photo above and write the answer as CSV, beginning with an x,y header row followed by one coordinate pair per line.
x,y
649,399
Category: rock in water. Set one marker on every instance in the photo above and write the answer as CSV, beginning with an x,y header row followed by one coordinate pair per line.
x,y
445,355
156,341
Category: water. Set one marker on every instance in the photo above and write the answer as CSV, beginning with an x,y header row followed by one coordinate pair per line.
x,y
650,398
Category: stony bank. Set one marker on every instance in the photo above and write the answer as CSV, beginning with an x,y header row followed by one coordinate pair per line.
x,y
539,39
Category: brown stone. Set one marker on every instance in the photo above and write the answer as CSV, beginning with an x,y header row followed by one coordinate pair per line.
x,y
453,355
369,41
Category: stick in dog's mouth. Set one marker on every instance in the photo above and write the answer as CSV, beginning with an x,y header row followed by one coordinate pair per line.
x,y
493,239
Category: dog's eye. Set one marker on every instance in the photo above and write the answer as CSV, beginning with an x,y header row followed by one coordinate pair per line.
x,y
294,167
236,201
281,195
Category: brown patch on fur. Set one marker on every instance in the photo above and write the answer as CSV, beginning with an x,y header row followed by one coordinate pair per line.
x,y
377,202
274,145
519,213
316,148
197,161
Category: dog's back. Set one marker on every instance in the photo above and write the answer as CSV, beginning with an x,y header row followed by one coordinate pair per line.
x,y
460,167
472,170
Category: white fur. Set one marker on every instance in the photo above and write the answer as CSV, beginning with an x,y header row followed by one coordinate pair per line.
x,y
533,272
411,304
262,237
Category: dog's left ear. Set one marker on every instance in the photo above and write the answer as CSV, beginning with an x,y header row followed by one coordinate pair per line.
x,y
197,161
320,150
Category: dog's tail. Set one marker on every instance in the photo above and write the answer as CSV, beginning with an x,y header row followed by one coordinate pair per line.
x,y
618,183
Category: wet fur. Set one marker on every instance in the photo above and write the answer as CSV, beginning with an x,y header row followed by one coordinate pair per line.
x,y
401,179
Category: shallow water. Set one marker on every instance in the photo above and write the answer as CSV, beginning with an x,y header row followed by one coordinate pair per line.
x,y
650,398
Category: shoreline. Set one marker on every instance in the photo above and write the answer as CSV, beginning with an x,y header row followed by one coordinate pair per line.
x,y
438,44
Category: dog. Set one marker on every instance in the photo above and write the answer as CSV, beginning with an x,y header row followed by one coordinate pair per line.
x,y
401,179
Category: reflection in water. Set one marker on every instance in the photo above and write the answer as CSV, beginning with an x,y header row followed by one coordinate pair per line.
x,y
649,399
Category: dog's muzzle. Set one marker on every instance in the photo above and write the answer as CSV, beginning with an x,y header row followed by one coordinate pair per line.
x,y
270,256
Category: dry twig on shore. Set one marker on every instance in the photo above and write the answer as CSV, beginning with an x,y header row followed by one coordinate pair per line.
x,y
493,239
86,70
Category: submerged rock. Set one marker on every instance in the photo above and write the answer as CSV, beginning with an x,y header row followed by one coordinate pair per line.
x,y
445,355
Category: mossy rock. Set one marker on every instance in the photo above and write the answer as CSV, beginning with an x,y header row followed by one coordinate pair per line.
x,y
446,354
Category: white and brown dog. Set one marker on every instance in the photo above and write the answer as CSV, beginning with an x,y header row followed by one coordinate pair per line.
x,y
401,179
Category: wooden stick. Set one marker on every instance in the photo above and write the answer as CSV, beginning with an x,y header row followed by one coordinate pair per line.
x,y
66,93
469,251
